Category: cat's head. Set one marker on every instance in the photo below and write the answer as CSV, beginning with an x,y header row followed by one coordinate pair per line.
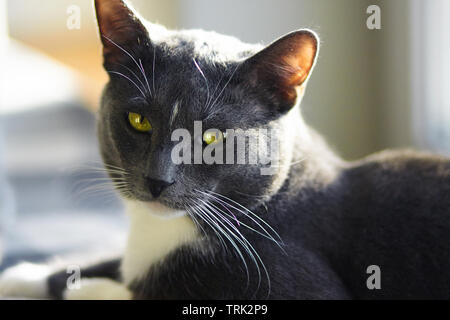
x,y
162,80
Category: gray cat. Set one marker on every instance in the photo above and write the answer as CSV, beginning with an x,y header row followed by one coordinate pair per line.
x,y
315,228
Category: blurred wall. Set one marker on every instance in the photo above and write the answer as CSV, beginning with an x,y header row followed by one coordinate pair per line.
x,y
358,96
43,25
3,23
394,71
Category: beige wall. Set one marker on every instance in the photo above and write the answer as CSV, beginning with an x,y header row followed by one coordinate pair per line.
x,y
42,25
394,96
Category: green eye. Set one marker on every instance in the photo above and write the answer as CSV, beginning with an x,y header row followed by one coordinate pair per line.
x,y
139,122
211,136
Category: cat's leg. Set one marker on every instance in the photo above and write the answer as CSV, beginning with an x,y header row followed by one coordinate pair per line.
x,y
50,281
25,280
301,274
98,282
98,289
59,282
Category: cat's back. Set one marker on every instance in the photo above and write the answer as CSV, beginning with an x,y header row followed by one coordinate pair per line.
x,y
403,175
397,216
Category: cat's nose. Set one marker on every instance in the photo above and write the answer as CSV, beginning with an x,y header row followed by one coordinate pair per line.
x,y
157,186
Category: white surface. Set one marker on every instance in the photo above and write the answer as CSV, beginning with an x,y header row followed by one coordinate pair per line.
x,y
25,280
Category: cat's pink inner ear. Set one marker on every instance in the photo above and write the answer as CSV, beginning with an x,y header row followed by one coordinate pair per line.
x,y
118,26
287,63
299,60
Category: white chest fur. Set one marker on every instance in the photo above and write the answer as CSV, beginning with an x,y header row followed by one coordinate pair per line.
x,y
155,231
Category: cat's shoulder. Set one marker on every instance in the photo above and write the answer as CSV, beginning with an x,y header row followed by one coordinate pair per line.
x,y
395,172
404,161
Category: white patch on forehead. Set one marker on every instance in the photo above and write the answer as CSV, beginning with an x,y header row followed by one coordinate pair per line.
x,y
174,112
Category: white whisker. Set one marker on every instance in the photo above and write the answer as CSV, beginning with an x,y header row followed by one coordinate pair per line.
x,y
239,237
153,72
134,74
208,217
145,77
197,209
225,86
246,213
126,52
206,81
121,74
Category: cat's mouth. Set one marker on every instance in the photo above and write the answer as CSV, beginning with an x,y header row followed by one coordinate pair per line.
x,y
173,203
177,205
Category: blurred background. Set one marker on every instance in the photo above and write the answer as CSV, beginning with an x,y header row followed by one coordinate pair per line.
x,y
371,90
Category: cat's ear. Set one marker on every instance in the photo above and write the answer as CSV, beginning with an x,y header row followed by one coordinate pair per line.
x,y
121,31
283,68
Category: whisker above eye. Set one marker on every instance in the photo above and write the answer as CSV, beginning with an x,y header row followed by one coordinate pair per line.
x,y
153,73
225,86
213,93
134,74
126,77
145,77
206,82
131,56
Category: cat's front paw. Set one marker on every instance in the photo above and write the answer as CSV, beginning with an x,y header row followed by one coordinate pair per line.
x,y
98,289
25,280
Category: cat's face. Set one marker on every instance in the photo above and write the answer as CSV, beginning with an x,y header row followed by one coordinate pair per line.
x,y
161,81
